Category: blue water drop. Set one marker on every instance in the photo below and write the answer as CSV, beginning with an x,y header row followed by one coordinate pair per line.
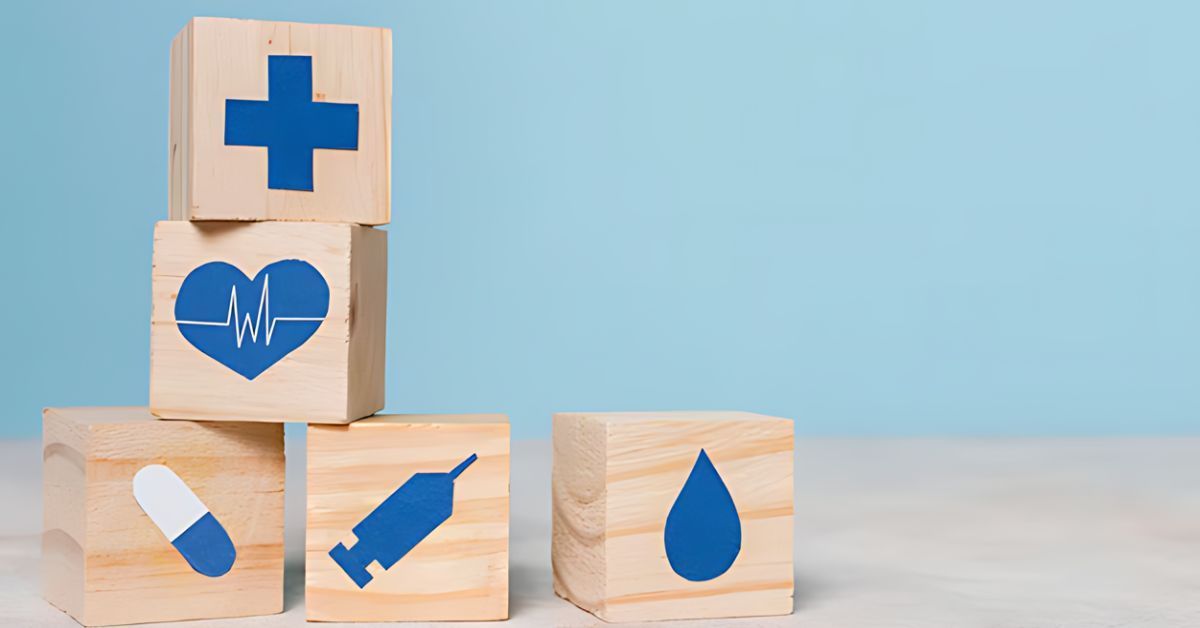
x,y
703,535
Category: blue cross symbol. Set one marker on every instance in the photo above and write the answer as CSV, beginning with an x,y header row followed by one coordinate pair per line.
x,y
290,124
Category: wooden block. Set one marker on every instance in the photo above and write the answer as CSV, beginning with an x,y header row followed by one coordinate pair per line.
x,y
310,318
630,543
219,163
105,561
376,487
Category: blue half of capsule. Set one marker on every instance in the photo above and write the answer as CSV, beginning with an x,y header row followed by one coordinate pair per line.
x,y
184,520
206,546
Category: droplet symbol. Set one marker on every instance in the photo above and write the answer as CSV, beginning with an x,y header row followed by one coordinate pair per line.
x,y
703,534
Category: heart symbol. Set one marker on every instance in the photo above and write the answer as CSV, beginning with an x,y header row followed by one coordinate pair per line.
x,y
249,325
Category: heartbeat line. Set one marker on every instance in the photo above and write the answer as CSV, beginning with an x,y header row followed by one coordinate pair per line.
x,y
252,326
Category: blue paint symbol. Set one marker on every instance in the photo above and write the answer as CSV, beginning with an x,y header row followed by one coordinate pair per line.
x,y
402,521
703,535
249,325
184,520
206,546
289,124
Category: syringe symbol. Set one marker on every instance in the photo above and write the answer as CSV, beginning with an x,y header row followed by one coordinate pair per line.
x,y
402,521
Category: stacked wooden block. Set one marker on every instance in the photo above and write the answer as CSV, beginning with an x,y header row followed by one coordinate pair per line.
x,y
269,306
105,561
673,515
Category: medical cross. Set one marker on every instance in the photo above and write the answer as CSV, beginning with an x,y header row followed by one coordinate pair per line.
x,y
289,124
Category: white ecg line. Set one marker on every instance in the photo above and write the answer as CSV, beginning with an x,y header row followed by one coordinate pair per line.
x,y
264,310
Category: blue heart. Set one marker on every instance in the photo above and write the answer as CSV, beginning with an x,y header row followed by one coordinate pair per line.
x,y
249,325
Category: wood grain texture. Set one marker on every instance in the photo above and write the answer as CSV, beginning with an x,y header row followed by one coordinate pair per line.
x,y
458,572
909,532
104,561
336,376
615,478
215,59
368,321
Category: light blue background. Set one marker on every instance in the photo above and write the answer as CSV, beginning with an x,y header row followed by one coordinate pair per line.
x,y
876,217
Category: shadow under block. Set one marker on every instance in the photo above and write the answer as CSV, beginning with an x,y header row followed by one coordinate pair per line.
x,y
104,561
333,376
363,494
214,60
616,479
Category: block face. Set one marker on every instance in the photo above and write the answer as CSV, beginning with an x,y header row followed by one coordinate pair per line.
x,y
578,494
268,321
327,125
64,508
368,321
649,458
106,562
376,489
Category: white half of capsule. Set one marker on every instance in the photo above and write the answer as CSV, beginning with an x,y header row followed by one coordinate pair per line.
x,y
167,500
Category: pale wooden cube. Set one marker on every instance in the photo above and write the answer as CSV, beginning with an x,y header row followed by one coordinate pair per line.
x,y
616,479
104,561
214,176
459,571
333,376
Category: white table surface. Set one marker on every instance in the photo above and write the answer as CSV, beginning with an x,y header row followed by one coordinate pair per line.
x,y
896,533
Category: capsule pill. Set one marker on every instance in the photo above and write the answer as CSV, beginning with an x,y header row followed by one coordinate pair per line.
x,y
184,520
